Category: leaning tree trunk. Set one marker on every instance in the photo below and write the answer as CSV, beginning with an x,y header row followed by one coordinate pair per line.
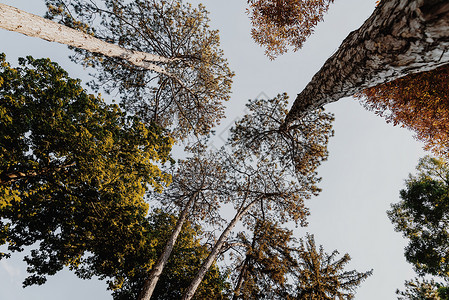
x,y
156,271
14,19
214,253
401,37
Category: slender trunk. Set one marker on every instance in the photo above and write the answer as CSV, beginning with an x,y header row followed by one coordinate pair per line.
x,y
244,270
11,177
156,271
16,20
401,37
214,253
238,287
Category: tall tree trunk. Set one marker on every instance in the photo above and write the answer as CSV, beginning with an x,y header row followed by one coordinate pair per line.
x,y
156,271
401,37
14,19
239,285
214,253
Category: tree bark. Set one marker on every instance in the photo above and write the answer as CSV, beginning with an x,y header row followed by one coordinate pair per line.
x,y
401,37
214,253
14,19
156,271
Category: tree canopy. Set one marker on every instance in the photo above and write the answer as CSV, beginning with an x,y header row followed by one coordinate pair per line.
x,y
281,24
419,102
191,98
74,170
419,289
422,216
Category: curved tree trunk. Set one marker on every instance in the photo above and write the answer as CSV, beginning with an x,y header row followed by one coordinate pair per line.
x,y
401,37
14,19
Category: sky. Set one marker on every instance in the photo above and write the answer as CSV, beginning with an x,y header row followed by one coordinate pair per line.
x,y
368,159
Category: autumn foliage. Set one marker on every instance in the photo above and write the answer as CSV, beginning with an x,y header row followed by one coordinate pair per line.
x,y
280,24
419,102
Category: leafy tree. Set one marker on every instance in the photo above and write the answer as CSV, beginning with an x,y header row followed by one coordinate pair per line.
x,y
280,24
422,216
127,275
275,266
73,169
190,98
322,276
196,194
422,290
419,102
266,262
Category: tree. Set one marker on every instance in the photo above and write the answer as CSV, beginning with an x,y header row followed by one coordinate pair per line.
x,y
266,262
419,102
74,170
190,99
16,20
126,274
401,37
422,290
276,266
422,216
264,178
197,192
280,24
322,276
161,56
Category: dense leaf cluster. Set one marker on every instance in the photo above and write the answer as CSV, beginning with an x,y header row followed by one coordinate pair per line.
x,y
419,102
282,24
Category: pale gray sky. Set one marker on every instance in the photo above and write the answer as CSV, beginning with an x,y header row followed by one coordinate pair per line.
x,y
368,161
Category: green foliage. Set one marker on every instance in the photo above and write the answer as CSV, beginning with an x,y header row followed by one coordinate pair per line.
x,y
189,101
422,216
422,290
73,170
127,275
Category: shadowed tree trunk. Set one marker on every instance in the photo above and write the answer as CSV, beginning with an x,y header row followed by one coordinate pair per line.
x,y
14,19
401,37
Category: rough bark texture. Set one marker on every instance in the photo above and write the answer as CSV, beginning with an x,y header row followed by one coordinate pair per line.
x,y
16,20
401,37
214,253
156,271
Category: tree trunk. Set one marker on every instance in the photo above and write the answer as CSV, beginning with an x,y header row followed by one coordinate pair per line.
x,y
242,274
16,20
401,37
214,253
156,271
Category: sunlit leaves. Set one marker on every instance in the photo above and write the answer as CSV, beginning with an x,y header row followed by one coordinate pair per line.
x,y
73,170
419,102
282,24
